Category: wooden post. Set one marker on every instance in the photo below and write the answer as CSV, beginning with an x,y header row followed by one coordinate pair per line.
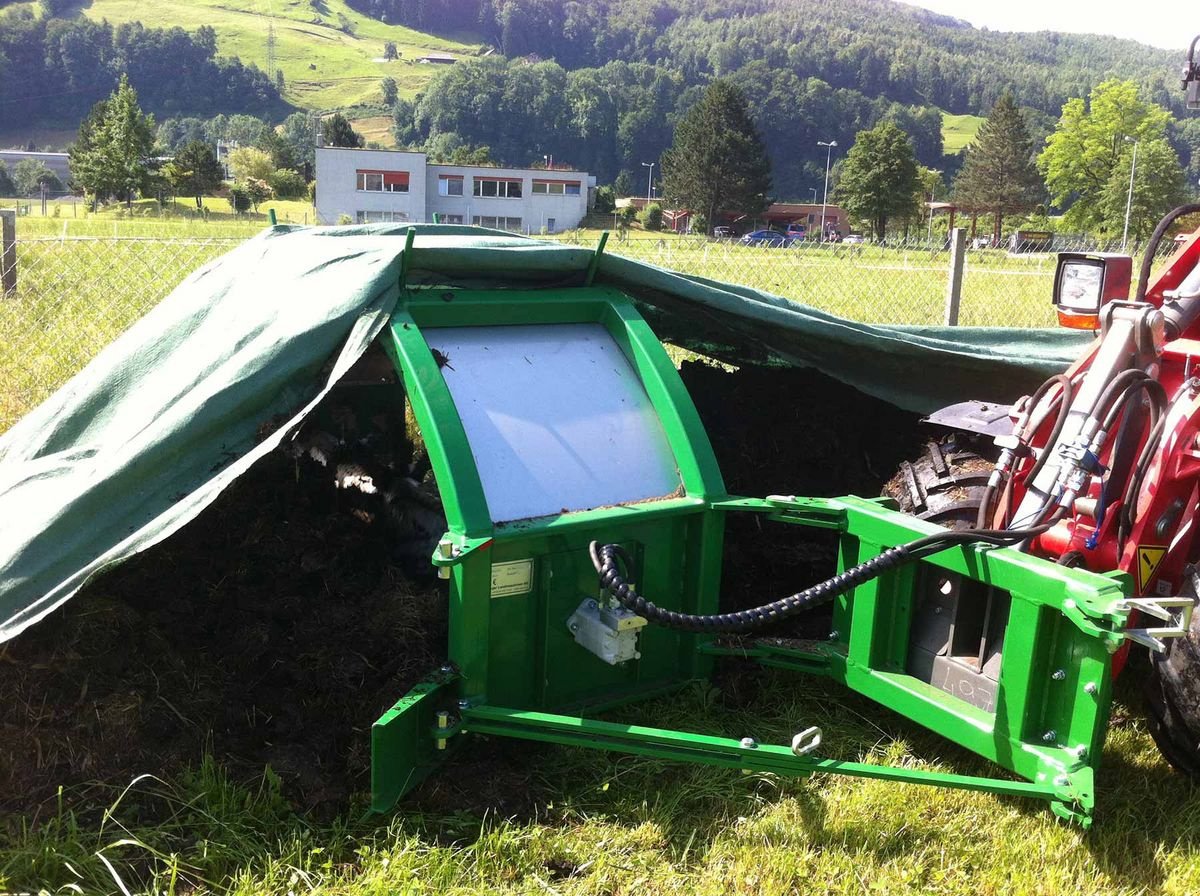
x,y
8,251
958,257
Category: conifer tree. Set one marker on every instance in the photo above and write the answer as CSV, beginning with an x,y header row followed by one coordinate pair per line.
x,y
999,177
112,154
717,161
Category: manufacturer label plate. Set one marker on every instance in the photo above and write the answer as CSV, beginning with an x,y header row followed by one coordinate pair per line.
x,y
512,578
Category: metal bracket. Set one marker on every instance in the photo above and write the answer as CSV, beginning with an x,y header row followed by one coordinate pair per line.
x,y
806,741
1161,608
448,554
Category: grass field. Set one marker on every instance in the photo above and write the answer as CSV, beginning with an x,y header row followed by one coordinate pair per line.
x,y
330,55
100,272
598,824
959,130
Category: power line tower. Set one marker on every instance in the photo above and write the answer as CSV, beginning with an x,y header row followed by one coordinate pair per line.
x,y
271,48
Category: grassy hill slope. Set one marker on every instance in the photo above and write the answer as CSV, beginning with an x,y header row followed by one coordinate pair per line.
x,y
330,55
959,130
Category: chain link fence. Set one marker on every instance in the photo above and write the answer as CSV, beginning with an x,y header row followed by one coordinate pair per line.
x,y
67,296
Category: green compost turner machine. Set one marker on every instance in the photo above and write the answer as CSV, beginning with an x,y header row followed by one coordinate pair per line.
x,y
576,477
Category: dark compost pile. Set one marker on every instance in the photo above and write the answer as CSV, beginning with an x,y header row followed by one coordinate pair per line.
x,y
276,628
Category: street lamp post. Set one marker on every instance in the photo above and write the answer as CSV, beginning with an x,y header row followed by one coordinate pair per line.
x,y
1129,197
649,180
825,198
814,192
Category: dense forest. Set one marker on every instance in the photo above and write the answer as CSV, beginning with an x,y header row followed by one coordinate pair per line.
x,y
57,69
612,118
877,47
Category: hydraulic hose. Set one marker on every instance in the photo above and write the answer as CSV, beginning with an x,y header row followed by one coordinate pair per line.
x,y
1180,313
608,560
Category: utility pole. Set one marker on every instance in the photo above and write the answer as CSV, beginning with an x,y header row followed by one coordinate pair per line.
x,y
649,180
825,198
1129,198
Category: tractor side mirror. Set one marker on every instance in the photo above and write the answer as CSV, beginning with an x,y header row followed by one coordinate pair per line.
x,y
1085,282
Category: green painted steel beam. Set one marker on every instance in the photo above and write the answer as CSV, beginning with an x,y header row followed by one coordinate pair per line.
x,y
724,752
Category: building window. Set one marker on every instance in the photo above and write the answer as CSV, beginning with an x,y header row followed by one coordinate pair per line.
x,y
812,218
495,188
382,181
556,188
496,223
449,219
380,217
450,186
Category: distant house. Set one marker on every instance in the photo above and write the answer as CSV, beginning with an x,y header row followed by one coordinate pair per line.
x,y
369,186
780,215
438,58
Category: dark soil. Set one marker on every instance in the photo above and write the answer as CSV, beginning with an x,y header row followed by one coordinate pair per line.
x,y
274,629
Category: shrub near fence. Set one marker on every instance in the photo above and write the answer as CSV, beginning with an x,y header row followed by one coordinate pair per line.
x,y
75,294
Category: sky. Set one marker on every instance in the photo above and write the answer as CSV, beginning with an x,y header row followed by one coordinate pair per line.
x,y
1161,23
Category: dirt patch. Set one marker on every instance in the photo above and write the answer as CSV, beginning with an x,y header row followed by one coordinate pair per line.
x,y
276,628
792,432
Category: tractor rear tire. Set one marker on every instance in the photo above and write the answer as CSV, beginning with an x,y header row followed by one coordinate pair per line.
x,y
1173,695
945,485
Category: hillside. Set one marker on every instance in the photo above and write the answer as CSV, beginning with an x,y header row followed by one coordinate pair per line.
x,y
331,56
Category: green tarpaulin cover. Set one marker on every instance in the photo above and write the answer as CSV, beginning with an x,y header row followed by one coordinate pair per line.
x,y
226,367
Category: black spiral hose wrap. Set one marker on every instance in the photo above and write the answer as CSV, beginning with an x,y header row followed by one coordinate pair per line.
x,y
607,561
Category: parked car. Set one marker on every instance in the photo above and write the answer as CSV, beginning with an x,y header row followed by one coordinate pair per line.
x,y
722,233
854,238
772,238
797,231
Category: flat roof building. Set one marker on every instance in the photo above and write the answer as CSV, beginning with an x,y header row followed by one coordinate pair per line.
x,y
376,185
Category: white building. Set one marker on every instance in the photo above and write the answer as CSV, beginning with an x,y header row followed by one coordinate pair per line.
x,y
370,185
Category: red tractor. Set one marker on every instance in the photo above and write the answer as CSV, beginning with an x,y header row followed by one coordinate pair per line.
x,y
1105,458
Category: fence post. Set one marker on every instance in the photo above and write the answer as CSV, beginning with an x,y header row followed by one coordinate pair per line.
x,y
8,251
958,257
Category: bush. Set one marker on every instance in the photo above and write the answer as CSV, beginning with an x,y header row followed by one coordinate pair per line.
x,y
606,200
652,216
239,199
288,184
628,214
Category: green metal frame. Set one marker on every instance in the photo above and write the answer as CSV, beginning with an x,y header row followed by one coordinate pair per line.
x,y
515,671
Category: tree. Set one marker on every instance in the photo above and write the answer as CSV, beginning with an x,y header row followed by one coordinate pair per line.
x,y
717,161
7,187
239,199
1089,144
258,191
195,172
387,87
998,176
623,184
288,184
1158,187
652,216
112,155
30,176
606,200
390,52
247,161
337,131
878,179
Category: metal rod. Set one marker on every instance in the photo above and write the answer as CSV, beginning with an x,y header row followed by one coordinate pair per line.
x,y
719,751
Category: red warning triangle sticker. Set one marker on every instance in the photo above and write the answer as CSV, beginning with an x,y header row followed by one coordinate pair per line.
x,y
1149,557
